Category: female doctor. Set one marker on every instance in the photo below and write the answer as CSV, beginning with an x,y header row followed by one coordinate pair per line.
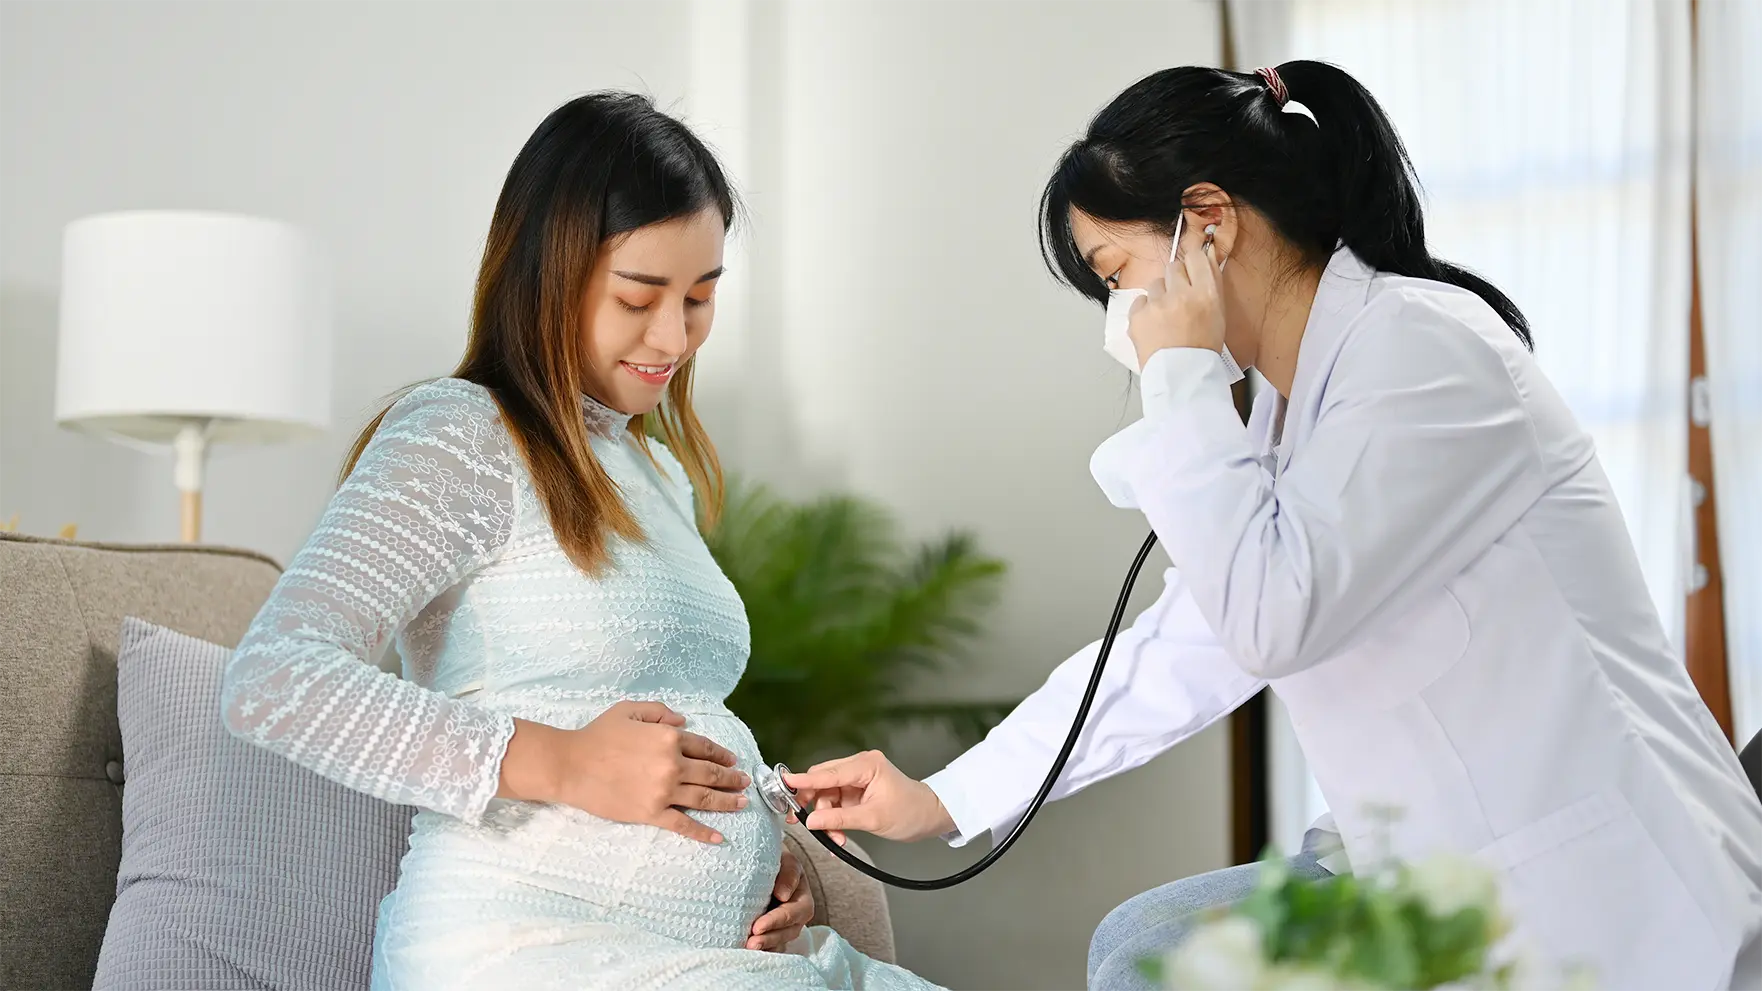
x,y
1412,543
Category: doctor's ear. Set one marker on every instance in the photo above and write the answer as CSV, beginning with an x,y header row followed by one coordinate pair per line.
x,y
1210,210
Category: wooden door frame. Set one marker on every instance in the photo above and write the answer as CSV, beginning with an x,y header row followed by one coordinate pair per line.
x,y
1704,629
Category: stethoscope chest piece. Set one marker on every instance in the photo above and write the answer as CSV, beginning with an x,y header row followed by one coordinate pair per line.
x,y
776,795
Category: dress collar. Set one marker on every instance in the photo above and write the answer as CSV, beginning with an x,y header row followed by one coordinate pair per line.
x,y
603,419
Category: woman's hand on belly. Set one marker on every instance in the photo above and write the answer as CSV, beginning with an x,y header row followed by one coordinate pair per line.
x,y
793,909
634,763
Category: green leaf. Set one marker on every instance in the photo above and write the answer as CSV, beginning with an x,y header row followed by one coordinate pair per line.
x,y
843,615
1453,947
1385,952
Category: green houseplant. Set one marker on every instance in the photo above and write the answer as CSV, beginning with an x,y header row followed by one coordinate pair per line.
x,y
844,614
1438,922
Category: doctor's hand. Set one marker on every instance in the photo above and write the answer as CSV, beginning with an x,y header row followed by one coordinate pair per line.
x,y
866,792
1184,310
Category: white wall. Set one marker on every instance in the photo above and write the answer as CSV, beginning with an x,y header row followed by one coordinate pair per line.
x,y
382,128
895,333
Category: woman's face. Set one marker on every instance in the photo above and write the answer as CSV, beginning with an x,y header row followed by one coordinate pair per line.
x,y
648,306
1137,257
1127,257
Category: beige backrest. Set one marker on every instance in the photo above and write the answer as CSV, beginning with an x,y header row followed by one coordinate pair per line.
x,y
61,608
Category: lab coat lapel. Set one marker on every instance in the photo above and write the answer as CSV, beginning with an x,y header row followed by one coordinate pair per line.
x,y
1341,295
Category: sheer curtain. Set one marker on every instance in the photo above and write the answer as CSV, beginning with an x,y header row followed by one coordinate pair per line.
x,y
1728,160
1552,140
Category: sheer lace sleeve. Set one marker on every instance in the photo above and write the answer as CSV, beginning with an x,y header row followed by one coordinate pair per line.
x,y
430,501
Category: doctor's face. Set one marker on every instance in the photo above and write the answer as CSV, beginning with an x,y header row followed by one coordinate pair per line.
x,y
1126,256
648,307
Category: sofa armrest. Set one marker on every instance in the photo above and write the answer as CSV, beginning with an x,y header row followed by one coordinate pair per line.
x,y
852,904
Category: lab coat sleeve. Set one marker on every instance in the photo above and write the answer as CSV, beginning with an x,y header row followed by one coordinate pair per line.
x,y
1420,457
1166,680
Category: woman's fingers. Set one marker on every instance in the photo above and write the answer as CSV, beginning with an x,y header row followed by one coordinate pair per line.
x,y
773,941
788,877
678,822
1199,268
793,910
702,772
708,799
780,930
704,748
1175,274
651,712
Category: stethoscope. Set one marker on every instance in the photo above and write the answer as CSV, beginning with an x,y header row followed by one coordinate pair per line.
x,y
780,798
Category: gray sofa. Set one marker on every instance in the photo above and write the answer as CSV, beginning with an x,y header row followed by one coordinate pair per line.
x,y
62,769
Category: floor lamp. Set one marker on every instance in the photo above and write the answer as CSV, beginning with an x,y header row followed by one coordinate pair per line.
x,y
189,329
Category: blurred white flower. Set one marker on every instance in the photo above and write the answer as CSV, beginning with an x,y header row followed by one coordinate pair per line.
x,y
1448,883
1224,955
1284,978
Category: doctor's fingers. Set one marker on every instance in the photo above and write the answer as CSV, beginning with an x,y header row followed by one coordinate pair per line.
x,y
843,818
1175,274
827,800
1199,268
855,771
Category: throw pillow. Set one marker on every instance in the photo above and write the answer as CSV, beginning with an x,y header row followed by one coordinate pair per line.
x,y
239,868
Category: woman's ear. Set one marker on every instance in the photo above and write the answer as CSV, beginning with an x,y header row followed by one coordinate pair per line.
x,y
1208,205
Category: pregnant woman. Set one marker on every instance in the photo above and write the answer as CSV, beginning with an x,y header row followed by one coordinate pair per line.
x,y
567,639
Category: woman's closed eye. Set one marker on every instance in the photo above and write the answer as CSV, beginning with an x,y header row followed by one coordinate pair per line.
x,y
690,301
1113,281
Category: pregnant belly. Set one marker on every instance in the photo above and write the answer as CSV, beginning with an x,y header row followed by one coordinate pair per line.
x,y
556,864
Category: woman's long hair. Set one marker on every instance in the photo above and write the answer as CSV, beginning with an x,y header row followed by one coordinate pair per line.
x,y
599,166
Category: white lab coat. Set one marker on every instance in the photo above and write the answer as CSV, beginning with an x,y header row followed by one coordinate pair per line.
x,y
1432,573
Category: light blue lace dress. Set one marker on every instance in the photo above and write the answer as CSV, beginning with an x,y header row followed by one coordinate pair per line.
x,y
438,539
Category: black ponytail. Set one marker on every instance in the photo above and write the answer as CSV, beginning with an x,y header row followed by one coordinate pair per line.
x,y
1343,177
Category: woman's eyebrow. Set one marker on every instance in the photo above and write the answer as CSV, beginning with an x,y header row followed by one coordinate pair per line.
x,y
661,280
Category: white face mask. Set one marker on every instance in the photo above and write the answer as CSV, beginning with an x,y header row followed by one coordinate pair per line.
x,y
1115,337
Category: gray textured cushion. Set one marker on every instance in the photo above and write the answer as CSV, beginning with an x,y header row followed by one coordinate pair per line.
x,y
239,869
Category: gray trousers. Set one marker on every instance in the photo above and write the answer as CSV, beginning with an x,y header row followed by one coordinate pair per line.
x,y
1150,924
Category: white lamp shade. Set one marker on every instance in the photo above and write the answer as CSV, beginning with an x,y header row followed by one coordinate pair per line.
x,y
169,317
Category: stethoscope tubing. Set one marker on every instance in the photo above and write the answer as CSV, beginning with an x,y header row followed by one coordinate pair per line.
x,y
1052,776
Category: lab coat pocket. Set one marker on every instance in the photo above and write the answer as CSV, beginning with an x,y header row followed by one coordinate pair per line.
x,y
1587,885
1391,666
